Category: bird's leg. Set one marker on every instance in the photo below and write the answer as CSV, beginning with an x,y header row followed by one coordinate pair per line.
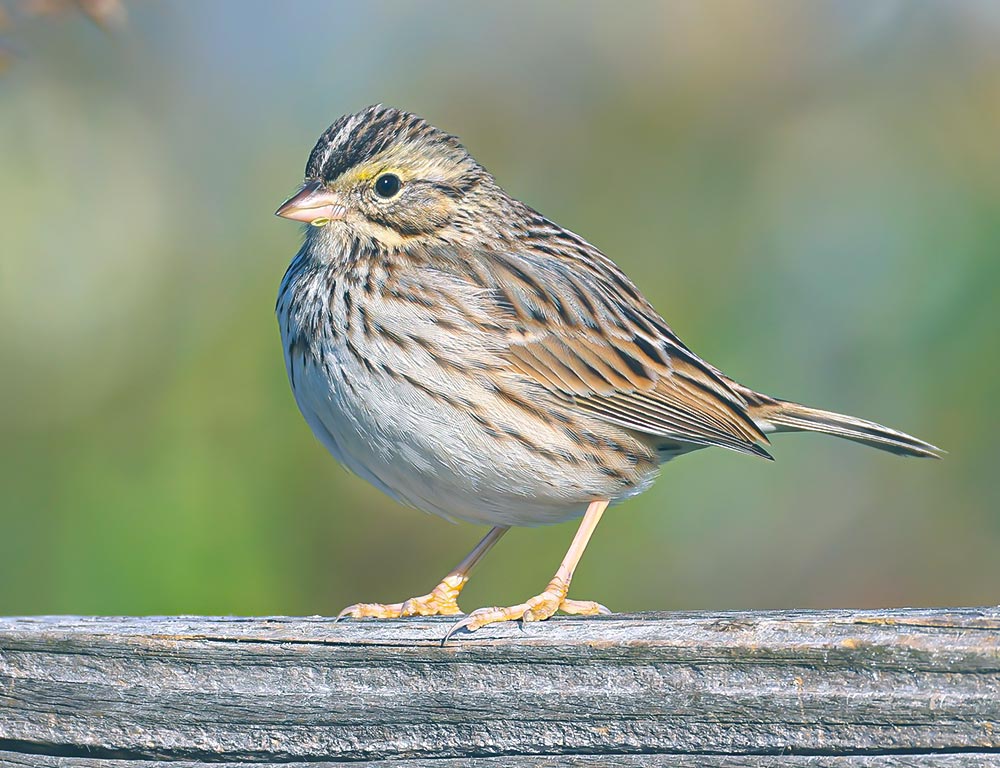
x,y
440,601
553,599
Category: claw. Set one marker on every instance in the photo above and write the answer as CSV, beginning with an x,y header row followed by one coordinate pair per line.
x,y
372,611
441,601
537,608
583,608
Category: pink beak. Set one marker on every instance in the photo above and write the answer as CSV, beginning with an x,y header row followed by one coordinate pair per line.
x,y
314,204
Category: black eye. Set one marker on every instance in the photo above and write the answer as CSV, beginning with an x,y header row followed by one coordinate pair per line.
x,y
387,185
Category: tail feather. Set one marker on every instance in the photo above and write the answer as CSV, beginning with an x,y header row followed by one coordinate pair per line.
x,y
785,416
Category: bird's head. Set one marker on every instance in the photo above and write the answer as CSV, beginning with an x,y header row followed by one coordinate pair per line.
x,y
387,176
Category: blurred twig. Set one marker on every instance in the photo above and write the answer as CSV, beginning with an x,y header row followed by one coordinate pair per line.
x,y
104,13
107,14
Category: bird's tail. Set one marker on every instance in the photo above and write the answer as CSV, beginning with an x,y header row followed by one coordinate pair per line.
x,y
783,416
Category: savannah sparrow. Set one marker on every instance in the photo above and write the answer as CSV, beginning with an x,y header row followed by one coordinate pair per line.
x,y
473,359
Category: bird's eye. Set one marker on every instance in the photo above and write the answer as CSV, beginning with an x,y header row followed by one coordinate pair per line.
x,y
387,185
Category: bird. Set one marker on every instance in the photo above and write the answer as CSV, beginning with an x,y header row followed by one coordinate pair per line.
x,y
473,359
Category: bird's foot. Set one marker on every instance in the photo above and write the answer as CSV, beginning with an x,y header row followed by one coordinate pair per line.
x,y
537,608
440,601
583,608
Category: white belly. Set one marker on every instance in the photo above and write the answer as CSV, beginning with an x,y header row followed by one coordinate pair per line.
x,y
435,458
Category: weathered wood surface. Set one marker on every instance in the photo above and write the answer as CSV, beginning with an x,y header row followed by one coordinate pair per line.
x,y
836,688
964,760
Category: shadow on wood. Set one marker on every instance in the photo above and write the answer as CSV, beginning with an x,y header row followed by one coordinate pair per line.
x,y
836,688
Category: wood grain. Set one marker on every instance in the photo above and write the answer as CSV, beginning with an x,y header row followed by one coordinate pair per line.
x,y
833,688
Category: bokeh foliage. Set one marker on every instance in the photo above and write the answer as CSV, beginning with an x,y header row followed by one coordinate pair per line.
x,y
809,192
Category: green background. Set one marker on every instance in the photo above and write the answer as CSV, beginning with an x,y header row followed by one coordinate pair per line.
x,y
809,193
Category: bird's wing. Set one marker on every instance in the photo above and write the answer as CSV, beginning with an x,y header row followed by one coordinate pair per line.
x,y
580,328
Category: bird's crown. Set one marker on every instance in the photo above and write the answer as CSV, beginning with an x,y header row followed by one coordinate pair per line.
x,y
355,139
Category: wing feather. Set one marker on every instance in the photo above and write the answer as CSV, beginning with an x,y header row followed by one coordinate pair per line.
x,y
580,328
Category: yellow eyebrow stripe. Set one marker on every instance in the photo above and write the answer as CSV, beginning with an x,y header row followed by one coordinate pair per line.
x,y
369,171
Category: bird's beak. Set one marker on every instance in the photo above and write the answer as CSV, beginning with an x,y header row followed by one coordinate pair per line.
x,y
314,204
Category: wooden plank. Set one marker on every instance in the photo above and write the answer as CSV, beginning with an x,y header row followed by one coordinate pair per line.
x,y
965,760
837,688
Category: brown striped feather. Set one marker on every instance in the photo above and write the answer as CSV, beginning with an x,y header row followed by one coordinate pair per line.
x,y
577,328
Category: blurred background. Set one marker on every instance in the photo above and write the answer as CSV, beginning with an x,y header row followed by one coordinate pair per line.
x,y
809,192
